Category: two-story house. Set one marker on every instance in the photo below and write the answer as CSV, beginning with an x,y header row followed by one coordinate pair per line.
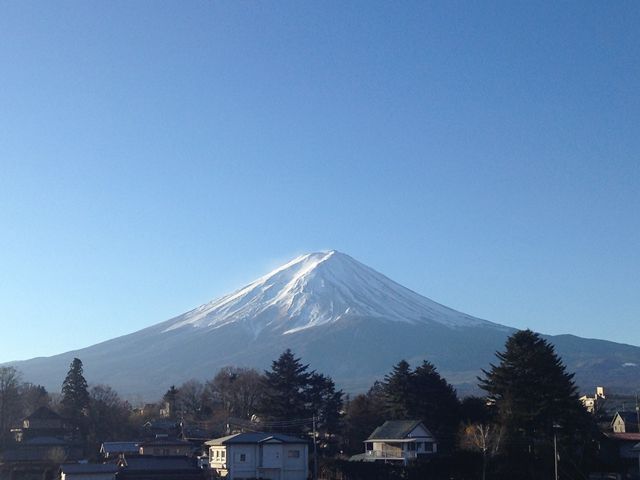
x,y
399,441
270,456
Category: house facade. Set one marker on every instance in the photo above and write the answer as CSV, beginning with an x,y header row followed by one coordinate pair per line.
x,y
269,456
591,403
399,441
625,422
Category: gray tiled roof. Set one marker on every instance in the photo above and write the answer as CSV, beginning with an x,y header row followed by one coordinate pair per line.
x,y
254,437
89,468
394,429
43,413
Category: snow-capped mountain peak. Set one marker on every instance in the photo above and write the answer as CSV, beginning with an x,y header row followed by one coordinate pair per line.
x,y
317,289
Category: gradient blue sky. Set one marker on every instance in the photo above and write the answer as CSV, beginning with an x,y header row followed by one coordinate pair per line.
x,y
155,155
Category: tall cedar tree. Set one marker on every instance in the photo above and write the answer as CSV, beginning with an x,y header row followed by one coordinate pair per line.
x,y
285,395
75,394
531,392
397,391
434,401
422,394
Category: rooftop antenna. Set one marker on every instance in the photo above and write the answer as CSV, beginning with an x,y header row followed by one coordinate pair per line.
x,y
637,413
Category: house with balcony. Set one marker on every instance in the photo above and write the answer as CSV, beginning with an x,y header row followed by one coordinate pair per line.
x,y
270,456
399,441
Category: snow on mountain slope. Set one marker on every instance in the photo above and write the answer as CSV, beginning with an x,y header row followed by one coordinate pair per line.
x,y
318,289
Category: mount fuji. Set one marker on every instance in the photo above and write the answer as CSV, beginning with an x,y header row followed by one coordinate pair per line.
x,y
342,317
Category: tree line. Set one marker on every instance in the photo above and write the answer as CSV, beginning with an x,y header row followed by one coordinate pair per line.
x,y
529,400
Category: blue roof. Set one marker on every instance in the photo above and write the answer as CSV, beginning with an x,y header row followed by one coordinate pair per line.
x,y
120,447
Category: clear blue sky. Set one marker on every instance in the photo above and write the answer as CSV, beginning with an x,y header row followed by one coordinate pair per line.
x,y
155,155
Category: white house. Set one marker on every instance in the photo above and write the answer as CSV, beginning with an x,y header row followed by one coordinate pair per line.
x,y
399,441
591,403
270,456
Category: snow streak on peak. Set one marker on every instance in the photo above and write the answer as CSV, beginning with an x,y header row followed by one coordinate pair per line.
x,y
318,289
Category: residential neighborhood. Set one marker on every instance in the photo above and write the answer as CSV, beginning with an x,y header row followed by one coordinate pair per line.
x,y
396,429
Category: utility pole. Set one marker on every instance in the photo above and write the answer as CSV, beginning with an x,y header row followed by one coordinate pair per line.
x,y
556,426
315,451
555,454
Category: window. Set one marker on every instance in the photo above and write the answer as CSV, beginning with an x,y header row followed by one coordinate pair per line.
x,y
293,454
411,446
223,454
241,457
428,446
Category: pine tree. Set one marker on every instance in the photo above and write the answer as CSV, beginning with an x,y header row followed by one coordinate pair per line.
x,y
531,392
75,394
422,394
293,393
397,391
285,389
434,401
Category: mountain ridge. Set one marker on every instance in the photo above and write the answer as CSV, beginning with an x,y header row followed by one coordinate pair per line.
x,y
339,315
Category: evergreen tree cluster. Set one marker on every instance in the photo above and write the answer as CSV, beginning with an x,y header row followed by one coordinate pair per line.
x,y
422,394
293,392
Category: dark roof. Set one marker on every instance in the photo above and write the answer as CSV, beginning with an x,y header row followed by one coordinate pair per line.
x,y
161,424
148,464
165,442
28,455
254,437
120,447
43,413
394,429
45,441
89,468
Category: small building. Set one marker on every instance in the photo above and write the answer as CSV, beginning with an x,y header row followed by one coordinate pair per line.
x,y
399,441
270,456
43,422
617,453
166,446
147,467
38,457
591,403
625,422
88,471
110,450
